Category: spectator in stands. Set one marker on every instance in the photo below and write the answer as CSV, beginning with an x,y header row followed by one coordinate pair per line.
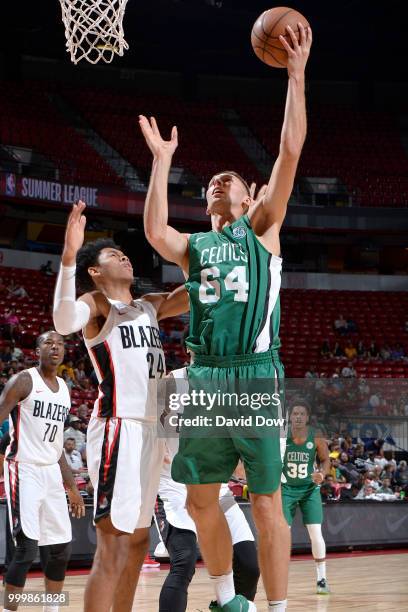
x,y
386,487
16,352
401,474
11,323
373,352
69,367
340,325
350,350
73,456
312,373
348,371
6,355
47,268
385,352
369,463
389,472
379,458
366,492
74,431
326,490
16,291
82,413
335,472
347,469
349,493
361,351
80,374
325,350
338,351
3,288
351,326
397,352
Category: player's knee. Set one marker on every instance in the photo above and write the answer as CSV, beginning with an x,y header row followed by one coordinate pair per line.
x,y
198,508
111,558
59,555
24,555
267,512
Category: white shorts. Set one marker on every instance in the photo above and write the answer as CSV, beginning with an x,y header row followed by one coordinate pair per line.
x,y
124,461
37,503
173,495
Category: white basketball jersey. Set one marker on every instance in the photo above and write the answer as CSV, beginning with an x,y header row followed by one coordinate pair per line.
x,y
37,423
128,358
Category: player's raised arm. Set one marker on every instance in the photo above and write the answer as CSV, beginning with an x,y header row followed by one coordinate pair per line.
x,y
168,242
71,315
272,210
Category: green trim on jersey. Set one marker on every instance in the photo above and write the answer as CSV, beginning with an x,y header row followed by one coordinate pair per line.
x,y
299,461
234,287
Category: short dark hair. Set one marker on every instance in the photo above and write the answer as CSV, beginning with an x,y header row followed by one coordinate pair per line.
x,y
87,256
66,440
300,401
238,176
41,337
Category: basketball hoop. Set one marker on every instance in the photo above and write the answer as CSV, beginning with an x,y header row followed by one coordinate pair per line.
x,y
94,29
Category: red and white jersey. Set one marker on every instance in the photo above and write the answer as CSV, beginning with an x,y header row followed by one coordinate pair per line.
x,y
37,423
128,358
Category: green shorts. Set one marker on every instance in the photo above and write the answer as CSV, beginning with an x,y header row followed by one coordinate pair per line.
x,y
212,459
307,498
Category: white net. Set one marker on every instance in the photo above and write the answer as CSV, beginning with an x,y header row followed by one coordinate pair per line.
x,y
94,29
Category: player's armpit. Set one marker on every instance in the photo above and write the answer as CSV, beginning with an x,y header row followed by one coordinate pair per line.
x,y
17,389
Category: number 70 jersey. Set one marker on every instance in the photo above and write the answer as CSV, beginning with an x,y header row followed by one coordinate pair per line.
x,y
234,285
37,423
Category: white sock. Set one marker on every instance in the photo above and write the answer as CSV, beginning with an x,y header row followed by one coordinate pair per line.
x,y
5,610
51,609
224,588
321,570
277,606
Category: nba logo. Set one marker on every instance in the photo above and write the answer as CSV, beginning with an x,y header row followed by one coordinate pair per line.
x,y
10,184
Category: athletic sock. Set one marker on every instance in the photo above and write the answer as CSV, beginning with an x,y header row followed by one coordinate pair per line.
x,y
224,588
5,610
277,606
321,570
51,609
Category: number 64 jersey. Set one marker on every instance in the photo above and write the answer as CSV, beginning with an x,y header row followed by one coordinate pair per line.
x,y
234,285
128,358
37,423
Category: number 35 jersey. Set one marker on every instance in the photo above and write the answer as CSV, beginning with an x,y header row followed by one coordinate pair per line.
x,y
128,358
37,423
299,461
234,285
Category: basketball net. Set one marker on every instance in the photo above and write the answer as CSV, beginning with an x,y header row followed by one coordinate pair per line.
x,y
94,29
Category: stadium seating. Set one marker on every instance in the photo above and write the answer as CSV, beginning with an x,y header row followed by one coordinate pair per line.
x,y
362,149
205,144
29,119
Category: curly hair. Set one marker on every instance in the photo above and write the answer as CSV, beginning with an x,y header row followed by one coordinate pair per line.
x,y
87,256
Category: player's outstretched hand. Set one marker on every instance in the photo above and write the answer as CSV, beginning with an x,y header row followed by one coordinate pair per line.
x,y
257,197
76,503
74,233
158,146
298,51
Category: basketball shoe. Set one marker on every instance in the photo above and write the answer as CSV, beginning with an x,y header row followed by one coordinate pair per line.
x,y
323,587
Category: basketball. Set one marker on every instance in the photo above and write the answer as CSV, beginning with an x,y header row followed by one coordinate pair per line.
x,y
267,29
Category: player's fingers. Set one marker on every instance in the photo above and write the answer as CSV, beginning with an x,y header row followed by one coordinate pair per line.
x,y
252,190
309,36
293,37
286,45
174,134
155,127
262,192
302,31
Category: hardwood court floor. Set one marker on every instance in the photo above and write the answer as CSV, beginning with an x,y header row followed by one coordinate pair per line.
x,y
376,582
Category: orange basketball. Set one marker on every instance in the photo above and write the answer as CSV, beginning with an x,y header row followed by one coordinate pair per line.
x,y
267,29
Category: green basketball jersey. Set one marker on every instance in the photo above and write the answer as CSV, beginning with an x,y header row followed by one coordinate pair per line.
x,y
234,285
298,464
